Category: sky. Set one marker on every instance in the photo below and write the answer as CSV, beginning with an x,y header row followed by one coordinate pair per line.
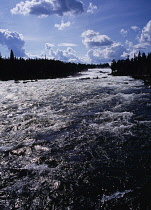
x,y
80,31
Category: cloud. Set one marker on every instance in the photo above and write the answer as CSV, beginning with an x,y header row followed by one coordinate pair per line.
x,y
146,34
101,47
135,28
124,32
48,46
129,43
115,51
93,39
14,41
68,55
63,25
94,55
130,53
91,8
48,7
66,45
140,46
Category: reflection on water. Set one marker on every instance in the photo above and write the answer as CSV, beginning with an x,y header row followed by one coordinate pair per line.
x,y
76,143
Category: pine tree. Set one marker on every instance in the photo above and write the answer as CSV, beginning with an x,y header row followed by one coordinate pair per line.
x,y
12,55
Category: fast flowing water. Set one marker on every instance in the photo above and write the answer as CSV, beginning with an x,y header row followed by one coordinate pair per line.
x,y
75,143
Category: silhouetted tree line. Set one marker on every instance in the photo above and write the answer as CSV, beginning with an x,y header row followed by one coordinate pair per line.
x,y
137,67
13,68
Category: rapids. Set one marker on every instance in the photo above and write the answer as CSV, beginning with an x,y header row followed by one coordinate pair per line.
x,y
76,143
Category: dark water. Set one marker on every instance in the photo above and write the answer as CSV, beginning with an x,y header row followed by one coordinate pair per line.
x,y
74,144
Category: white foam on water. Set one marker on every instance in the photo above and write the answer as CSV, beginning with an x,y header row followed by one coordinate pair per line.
x,y
116,195
40,168
38,147
114,122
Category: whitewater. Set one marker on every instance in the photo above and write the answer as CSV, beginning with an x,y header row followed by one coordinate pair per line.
x,y
75,143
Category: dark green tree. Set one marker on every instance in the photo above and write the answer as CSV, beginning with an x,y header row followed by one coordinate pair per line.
x,y
12,57
113,65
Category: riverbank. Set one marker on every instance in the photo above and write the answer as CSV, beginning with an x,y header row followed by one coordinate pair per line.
x,y
138,67
32,69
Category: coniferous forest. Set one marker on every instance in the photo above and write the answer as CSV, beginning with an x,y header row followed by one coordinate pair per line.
x,y
13,68
138,67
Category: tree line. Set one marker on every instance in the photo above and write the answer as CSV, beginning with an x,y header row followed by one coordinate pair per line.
x,y
137,67
13,68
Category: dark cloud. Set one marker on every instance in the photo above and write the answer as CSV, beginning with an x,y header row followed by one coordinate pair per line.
x,y
48,7
14,41
43,8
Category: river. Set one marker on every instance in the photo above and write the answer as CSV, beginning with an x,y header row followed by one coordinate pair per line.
x,y
76,143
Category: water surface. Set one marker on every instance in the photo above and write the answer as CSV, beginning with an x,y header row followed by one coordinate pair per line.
x,y
76,143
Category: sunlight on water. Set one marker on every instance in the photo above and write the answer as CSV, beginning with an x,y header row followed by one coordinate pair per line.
x,y
75,143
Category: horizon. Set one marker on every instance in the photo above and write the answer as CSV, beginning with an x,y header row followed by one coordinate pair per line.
x,y
107,30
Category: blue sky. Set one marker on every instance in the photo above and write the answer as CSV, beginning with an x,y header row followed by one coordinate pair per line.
x,y
94,31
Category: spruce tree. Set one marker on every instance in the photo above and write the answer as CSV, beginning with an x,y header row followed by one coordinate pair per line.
x,y
12,55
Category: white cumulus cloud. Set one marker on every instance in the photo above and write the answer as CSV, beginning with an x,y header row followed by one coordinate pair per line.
x,y
93,39
68,55
14,41
146,34
115,51
91,8
48,7
63,25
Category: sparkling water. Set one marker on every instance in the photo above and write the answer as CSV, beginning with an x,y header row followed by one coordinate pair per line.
x,y
82,142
